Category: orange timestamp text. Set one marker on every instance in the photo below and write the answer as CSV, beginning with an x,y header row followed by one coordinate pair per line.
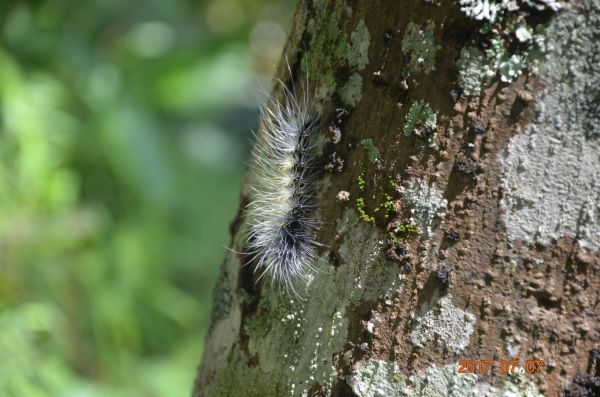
x,y
502,366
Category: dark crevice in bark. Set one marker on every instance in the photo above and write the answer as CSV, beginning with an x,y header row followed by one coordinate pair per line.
x,y
342,389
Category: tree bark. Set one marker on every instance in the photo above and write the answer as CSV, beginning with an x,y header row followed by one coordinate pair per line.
x,y
460,210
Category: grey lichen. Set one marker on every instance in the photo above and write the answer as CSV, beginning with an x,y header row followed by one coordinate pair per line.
x,y
491,10
541,5
518,385
445,381
378,378
501,57
484,9
352,91
419,44
572,67
446,324
375,378
371,148
552,169
357,56
509,66
308,332
421,121
477,68
330,47
303,353
358,53
426,202
474,70
363,251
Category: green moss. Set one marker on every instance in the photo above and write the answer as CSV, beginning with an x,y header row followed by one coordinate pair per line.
x,y
361,208
371,148
387,206
420,45
421,121
405,230
360,201
361,205
361,181
386,209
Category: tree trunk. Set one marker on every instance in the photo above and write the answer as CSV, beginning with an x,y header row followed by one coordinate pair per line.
x,y
460,210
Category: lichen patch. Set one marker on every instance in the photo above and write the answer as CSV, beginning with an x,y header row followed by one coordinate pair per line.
x,y
427,204
377,378
444,323
552,169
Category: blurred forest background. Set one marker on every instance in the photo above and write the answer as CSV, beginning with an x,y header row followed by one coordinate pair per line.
x,y
124,134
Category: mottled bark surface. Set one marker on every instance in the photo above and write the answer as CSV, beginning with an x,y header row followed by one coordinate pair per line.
x,y
460,201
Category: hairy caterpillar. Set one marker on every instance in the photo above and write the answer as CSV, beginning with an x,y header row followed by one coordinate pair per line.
x,y
281,210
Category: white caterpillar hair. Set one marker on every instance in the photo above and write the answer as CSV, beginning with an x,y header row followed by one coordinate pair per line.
x,y
281,211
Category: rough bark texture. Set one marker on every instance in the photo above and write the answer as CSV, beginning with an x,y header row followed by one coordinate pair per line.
x,y
467,138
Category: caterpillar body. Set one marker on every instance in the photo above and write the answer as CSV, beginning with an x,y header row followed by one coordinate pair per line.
x,y
281,239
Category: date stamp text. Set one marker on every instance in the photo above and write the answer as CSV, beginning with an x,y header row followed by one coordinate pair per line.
x,y
505,367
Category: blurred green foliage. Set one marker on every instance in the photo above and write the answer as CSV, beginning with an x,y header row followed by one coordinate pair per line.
x,y
124,130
